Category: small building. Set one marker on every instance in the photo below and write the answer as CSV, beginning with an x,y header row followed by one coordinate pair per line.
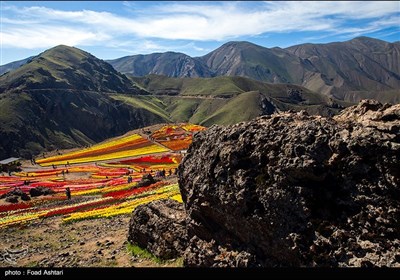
x,y
9,164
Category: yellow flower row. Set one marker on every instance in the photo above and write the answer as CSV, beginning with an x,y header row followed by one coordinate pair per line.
x,y
105,189
126,207
177,197
102,164
151,149
28,216
192,127
94,148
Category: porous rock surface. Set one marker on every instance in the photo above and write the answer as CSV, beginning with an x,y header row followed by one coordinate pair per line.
x,y
285,190
296,190
160,228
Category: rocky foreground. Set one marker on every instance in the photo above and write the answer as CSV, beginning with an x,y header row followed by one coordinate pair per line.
x,y
285,190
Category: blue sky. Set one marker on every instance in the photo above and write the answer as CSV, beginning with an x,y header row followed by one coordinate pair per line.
x,y
119,28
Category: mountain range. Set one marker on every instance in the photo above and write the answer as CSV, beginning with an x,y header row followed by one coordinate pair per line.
x,y
351,70
66,97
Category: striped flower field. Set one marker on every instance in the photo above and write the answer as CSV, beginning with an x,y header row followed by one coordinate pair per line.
x,y
103,179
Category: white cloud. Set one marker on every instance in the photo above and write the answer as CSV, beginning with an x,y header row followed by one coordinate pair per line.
x,y
189,21
47,36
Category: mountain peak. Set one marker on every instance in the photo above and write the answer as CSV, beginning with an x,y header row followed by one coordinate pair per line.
x,y
62,47
240,44
365,38
65,67
65,52
367,44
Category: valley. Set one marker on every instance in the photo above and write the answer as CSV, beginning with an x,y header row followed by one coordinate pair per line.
x,y
107,181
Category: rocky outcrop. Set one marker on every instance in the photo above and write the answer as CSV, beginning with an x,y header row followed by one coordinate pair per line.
x,y
146,180
12,199
159,227
38,191
12,196
295,190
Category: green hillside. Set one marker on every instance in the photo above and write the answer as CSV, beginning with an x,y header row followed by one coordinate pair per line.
x,y
64,67
226,100
243,107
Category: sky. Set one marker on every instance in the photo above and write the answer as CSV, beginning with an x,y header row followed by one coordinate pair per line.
x,y
113,29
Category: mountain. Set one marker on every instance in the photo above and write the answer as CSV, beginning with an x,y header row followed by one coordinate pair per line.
x,y
352,70
170,64
62,98
361,64
13,65
64,67
249,60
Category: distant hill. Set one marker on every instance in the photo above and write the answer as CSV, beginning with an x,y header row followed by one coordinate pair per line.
x,y
169,64
362,64
13,65
249,60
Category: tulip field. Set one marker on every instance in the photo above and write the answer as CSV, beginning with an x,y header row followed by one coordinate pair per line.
x,y
176,137
103,179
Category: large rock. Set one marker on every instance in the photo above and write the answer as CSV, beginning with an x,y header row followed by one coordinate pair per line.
x,y
296,190
14,192
38,191
12,199
147,180
12,196
159,227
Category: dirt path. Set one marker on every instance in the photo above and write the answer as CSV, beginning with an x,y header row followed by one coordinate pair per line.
x,y
88,243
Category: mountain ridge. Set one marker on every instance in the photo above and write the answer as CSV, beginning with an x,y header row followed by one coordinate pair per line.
x,y
350,70
363,65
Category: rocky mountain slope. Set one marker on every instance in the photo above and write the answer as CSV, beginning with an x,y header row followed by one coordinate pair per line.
x,y
361,64
13,65
169,64
292,190
249,60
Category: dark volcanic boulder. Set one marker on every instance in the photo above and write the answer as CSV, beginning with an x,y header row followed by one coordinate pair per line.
x,y
14,192
296,190
38,191
12,196
25,197
12,199
159,227
146,180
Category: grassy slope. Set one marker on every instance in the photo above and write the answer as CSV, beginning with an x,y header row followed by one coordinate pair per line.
x,y
149,103
50,61
241,108
218,86
227,100
222,86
